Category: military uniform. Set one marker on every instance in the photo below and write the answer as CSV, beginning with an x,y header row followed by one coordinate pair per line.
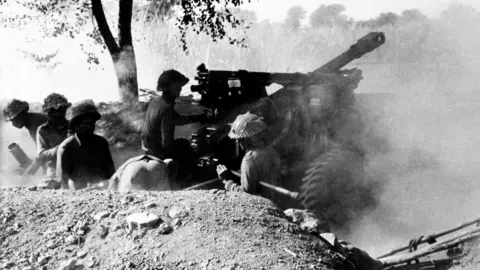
x,y
82,163
83,160
49,138
260,164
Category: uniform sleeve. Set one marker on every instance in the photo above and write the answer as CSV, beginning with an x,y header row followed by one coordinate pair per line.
x,y
108,166
248,178
167,132
44,152
63,166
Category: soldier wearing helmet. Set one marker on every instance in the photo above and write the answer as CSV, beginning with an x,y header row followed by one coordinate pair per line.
x,y
51,134
161,118
17,112
83,158
261,162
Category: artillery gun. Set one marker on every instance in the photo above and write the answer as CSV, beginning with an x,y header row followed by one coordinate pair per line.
x,y
313,122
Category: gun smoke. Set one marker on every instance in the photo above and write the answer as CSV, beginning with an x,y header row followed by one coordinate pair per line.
x,y
418,97
430,168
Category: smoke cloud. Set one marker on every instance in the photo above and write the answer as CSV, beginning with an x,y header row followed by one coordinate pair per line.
x,y
419,97
429,122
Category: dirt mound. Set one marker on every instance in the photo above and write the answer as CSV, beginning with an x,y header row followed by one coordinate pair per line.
x,y
189,230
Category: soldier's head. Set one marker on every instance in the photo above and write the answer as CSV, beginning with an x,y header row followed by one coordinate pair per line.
x,y
170,82
16,111
55,106
82,116
248,129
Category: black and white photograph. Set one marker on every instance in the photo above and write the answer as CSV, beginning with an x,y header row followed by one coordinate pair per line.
x,y
240,134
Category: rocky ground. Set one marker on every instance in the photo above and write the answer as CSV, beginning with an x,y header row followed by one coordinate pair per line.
x,y
184,230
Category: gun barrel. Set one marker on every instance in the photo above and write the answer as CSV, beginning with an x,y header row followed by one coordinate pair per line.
x,y
19,155
366,44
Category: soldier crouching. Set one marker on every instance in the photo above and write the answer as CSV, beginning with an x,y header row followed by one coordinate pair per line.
x,y
83,158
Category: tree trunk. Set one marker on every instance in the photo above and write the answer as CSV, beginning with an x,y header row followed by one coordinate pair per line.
x,y
126,70
123,55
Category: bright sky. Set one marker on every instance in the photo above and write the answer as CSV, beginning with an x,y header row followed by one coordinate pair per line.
x,y
275,10
20,79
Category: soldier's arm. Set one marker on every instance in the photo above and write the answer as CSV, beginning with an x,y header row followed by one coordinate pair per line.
x,y
167,126
248,178
108,167
63,167
43,150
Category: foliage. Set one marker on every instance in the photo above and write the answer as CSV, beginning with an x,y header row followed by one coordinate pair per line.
x,y
73,19
328,15
295,15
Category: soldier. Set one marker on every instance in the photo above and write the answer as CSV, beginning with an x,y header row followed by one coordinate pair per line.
x,y
83,158
17,112
161,118
51,134
261,162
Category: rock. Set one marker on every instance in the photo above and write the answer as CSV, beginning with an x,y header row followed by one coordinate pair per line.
x,y
176,222
165,228
128,199
52,245
307,221
82,254
101,215
91,262
43,260
71,240
150,205
142,220
10,231
28,268
177,212
113,214
22,261
32,188
33,258
8,265
68,265
103,232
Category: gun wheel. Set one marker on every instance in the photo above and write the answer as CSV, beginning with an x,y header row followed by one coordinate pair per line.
x,y
333,187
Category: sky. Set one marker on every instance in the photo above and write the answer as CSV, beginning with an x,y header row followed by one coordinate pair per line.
x,y
19,78
275,10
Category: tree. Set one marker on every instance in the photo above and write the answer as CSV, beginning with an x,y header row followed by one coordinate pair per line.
x,y
73,18
328,15
388,18
295,15
460,12
410,15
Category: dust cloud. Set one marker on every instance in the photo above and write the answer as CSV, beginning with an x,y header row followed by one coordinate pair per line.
x,y
430,119
420,91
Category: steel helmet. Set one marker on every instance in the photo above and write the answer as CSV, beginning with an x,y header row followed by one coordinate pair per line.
x,y
55,101
246,126
82,108
14,108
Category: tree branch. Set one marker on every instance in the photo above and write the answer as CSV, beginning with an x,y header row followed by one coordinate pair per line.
x,y
103,27
124,23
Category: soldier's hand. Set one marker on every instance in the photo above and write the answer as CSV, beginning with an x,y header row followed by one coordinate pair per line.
x,y
223,172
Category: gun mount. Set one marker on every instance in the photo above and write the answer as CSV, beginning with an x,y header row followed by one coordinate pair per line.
x,y
226,94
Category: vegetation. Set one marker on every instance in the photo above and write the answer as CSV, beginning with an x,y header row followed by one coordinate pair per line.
x,y
417,46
